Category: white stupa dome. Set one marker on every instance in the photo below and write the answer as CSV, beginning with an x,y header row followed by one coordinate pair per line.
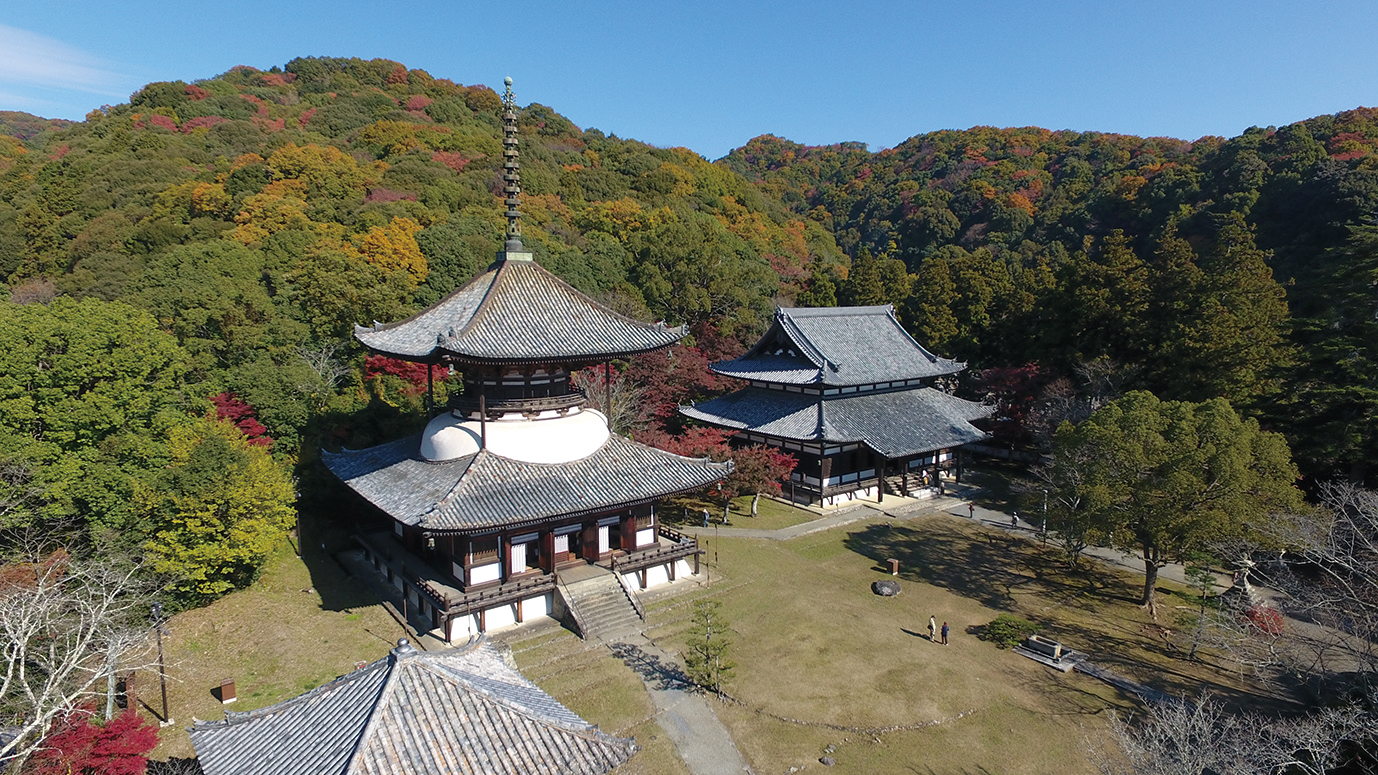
x,y
547,440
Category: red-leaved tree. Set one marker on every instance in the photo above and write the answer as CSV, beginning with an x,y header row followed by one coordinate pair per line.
x,y
412,375
757,469
231,407
79,745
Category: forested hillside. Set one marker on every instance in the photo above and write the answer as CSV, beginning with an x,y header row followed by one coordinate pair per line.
x,y
195,259
1242,268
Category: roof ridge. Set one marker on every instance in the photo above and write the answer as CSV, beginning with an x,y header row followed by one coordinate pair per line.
x,y
481,309
377,326
801,340
374,717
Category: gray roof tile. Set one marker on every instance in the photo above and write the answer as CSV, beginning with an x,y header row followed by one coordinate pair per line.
x,y
896,423
485,491
516,312
455,712
837,346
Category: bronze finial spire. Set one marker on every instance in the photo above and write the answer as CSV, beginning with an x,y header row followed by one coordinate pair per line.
x,y
511,170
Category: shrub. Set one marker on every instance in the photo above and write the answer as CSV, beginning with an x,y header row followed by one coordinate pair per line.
x,y
1007,630
1264,619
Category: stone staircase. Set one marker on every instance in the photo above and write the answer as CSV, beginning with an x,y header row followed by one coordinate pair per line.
x,y
602,609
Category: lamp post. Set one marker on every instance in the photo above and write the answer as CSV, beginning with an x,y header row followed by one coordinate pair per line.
x,y
162,674
1045,515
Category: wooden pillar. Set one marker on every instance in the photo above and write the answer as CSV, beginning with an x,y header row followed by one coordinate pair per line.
x,y
430,392
548,551
483,421
880,482
607,389
482,620
504,559
958,453
825,470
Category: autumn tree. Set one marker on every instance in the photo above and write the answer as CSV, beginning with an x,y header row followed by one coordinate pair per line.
x,y
66,625
81,745
216,513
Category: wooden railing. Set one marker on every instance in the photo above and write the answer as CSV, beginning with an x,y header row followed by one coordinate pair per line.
x,y
497,406
682,546
510,592
463,602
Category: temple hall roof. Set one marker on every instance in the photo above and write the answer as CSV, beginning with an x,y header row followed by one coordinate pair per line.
x,y
443,713
895,423
516,312
484,491
836,346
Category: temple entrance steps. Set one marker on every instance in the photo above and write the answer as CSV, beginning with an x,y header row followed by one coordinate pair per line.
x,y
601,607
895,485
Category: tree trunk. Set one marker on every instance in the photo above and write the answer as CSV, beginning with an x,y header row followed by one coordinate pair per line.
x,y
1150,583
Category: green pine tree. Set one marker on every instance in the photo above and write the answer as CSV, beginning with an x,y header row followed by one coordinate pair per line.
x,y
705,659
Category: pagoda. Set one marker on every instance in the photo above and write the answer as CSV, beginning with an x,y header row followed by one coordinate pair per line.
x,y
520,479
854,398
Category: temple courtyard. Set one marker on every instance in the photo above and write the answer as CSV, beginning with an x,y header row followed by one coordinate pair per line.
x,y
824,667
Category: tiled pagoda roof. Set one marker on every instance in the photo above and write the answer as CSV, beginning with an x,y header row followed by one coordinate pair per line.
x,y
516,312
484,491
836,346
444,713
896,423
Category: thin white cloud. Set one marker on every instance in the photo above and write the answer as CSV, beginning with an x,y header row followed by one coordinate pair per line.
x,y
30,59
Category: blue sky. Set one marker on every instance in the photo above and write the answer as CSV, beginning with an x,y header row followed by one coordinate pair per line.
x,y
712,75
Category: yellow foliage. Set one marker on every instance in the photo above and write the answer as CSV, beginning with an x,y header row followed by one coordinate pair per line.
x,y
10,147
618,217
280,206
325,170
1020,202
210,199
394,137
1128,187
393,247
684,179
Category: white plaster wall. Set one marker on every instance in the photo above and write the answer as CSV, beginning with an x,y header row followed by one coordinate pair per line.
x,y
645,537
541,605
461,627
683,568
500,616
481,573
633,579
657,575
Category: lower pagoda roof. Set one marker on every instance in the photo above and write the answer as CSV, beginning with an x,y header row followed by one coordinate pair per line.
x,y
457,712
484,491
897,423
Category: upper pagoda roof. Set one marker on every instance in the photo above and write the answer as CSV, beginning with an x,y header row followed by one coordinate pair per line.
x,y
516,312
485,491
836,346
413,713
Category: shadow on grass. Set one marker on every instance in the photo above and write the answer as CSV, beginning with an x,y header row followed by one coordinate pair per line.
x,y
1093,609
988,571
660,673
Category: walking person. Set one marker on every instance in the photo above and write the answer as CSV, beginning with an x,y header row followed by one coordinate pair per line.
x,y
932,629
1014,519
971,510
944,633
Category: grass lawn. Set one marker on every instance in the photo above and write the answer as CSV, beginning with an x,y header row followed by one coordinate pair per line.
x,y
770,514
277,639
823,661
